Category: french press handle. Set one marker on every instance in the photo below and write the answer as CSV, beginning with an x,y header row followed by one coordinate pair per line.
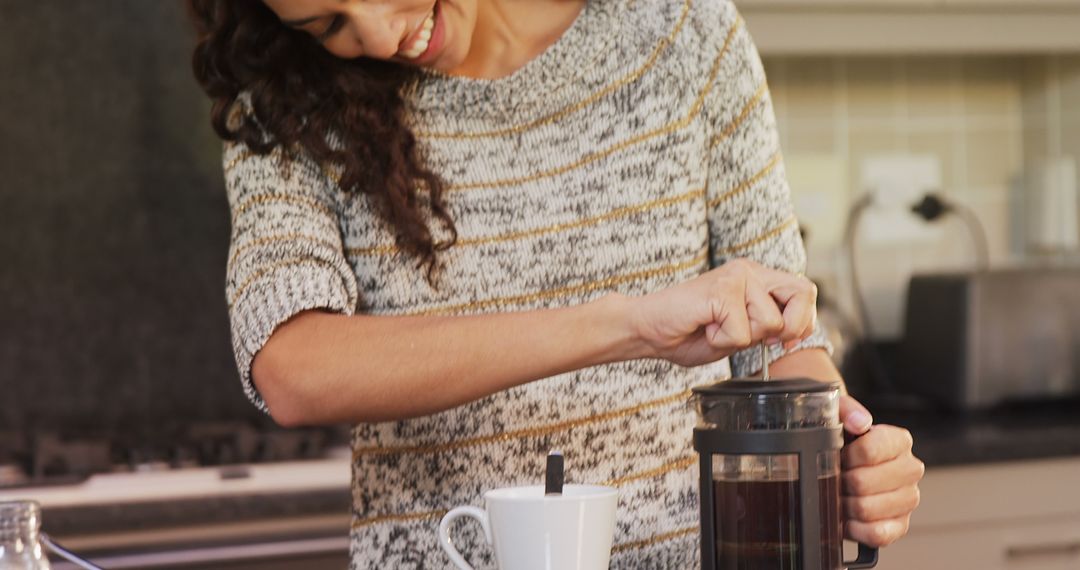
x,y
868,555
867,558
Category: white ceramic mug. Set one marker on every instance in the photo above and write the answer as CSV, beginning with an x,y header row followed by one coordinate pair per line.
x,y
531,531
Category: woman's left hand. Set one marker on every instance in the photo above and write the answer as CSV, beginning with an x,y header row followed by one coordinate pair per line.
x,y
880,478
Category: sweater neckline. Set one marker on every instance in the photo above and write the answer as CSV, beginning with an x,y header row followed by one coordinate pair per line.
x,y
564,61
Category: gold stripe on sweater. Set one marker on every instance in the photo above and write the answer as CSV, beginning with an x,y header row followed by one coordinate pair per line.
x,y
330,171
244,155
247,153
270,269
437,514
655,539
598,285
279,238
282,199
662,470
626,80
734,126
792,221
695,109
742,187
682,463
680,398
624,211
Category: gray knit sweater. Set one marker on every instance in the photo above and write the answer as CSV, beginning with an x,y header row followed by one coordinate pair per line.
x,y
636,152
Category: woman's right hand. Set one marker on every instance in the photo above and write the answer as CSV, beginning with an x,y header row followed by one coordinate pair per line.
x,y
725,310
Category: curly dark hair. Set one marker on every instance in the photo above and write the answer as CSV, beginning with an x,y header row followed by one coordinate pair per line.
x,y
345,113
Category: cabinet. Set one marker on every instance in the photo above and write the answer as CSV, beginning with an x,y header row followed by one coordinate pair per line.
x,y
875,27
1007,516
1025,5
1015,4
826,4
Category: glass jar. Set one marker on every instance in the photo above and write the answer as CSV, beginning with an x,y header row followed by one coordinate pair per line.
x,y
20,544
756,495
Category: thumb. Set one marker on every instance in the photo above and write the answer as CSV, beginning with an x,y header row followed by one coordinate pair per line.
x,y
857,420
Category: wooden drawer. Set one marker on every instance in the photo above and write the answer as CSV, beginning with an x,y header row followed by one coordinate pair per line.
x,y
1046,545
1006,516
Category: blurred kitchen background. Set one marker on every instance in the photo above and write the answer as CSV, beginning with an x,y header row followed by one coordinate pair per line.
x,y
114,348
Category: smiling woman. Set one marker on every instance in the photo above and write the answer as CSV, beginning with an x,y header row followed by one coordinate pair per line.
x,y
386,30
626,234
296,93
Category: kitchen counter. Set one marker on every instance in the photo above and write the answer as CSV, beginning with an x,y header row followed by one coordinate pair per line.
x,y
308,510
218,516
150,515
942,438
1021,432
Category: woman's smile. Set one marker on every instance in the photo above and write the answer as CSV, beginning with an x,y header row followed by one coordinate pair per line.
x,y
416,43
425,43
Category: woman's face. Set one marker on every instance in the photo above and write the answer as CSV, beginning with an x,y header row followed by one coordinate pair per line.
x,y
428,33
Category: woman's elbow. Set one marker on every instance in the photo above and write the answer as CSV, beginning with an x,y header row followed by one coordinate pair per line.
x,y
279,387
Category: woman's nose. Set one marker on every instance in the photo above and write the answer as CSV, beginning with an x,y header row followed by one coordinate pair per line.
x,y
378,29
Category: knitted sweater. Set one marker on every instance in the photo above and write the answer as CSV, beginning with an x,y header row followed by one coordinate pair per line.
x,y
636,152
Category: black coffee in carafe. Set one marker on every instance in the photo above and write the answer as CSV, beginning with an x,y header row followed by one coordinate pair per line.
x,y
770,476
757,524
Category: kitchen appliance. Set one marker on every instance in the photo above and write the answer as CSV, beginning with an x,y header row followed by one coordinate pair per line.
x,y
770,476
978,339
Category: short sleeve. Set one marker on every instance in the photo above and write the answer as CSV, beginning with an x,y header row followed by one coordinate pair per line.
x,y
750,213
286,252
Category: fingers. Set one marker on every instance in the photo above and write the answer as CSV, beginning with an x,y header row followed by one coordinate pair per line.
x,y
901,472
778,304
730,325
796,296
878,533
800,311
880,444
882,506
881,482
766,321
857,419
722,311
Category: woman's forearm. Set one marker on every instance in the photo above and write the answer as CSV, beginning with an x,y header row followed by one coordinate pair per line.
x,y
322,368
813,363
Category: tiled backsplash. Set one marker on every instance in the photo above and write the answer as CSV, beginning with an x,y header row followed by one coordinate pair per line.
x,y
997,128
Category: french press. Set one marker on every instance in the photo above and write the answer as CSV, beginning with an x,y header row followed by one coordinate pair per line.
x,y
770,476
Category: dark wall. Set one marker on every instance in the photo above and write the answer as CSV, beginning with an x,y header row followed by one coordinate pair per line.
x,y
113,221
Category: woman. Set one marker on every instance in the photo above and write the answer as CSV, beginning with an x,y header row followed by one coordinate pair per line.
x,y
483,229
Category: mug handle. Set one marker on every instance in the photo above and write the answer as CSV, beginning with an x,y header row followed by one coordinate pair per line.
x,y
444,532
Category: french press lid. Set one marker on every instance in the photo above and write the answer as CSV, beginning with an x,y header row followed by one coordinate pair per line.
x,y
753,405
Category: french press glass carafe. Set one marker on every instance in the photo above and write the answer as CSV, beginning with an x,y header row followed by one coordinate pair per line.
x,y
770,476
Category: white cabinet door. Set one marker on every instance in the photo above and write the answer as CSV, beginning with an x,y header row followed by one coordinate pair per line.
x,y
1017,4
913,27
972,5
817,4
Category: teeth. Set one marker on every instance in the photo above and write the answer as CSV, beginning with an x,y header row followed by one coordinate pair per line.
x,y
420,45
